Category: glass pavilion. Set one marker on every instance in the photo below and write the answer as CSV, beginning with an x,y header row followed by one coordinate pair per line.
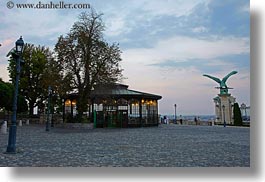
x,y
115,105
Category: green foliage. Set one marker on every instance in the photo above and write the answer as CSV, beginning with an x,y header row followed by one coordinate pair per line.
x,y
22,105
38,72
31,86
54,76
237,115
6,92
6,97
88,60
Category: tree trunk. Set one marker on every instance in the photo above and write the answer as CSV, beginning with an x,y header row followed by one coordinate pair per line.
x,y
31,108
80,110
81,107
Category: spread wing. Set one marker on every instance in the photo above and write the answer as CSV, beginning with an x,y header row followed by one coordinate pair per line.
x,y
213,78
227,76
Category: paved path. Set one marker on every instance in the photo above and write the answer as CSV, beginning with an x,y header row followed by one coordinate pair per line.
x,y
166,145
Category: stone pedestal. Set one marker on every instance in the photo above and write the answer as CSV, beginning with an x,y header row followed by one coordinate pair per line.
x,y
224,104
20,123
4,128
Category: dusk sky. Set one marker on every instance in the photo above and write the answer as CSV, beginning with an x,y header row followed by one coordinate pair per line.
x,y
167,45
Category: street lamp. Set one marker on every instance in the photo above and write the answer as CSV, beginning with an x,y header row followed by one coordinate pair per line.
x,y
49,109
224,115
175,105
11,148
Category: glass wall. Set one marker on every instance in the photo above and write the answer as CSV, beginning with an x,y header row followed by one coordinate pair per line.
x,y
134,112
119,112
149,112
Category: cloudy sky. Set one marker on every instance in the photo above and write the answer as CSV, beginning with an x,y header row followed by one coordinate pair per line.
x,y
167,45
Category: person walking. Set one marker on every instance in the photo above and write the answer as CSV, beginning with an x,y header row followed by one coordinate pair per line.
x,y
180,120
165,120
196,121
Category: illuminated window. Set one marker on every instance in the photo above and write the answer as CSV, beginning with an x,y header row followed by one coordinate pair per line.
x,y
68,102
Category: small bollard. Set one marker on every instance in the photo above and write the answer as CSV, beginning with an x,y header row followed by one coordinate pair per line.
x,y
27,122
4,128
20,123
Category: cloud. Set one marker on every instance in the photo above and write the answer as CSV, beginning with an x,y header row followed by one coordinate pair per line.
x,y
244,8
200,29
181,48
123,18
171,7
4,72
116,26
166,45
30,23
6,46
173,67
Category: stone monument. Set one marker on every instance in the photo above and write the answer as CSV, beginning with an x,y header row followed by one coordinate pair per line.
x,y
224,102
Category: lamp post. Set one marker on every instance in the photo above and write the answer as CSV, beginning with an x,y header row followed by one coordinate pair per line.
x,y
49,109
175,105
11,148
224,115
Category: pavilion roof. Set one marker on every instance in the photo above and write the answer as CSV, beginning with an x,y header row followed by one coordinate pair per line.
x,y
120,91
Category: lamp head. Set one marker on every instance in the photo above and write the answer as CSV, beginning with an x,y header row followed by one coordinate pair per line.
x,y
19,45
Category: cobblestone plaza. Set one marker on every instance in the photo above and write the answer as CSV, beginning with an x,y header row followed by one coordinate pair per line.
x,y
163,146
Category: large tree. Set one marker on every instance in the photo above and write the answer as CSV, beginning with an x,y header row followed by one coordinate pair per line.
x,y
36,74
88,58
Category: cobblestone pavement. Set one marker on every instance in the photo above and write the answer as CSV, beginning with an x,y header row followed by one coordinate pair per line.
x,y
162,146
